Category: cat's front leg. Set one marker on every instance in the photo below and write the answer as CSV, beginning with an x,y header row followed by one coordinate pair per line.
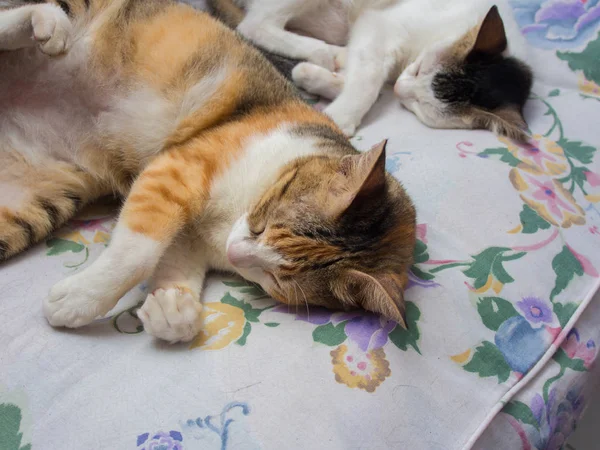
x,y
172,311
44,25
161,202
366,73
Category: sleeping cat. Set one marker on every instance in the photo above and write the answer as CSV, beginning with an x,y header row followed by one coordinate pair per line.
x,y
455,63
221,166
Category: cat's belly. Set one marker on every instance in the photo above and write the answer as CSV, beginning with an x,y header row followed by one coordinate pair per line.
x,y
45,112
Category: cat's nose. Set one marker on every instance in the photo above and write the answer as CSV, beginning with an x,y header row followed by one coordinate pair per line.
x,y
240,254
404,89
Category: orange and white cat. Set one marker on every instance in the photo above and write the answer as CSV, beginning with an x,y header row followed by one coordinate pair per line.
x,y
220,164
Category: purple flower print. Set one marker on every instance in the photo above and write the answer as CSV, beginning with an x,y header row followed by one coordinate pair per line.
x,y
160,441
536,310
557,420
367,330
557,23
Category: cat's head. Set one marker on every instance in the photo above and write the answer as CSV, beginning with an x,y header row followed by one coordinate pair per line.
x,y
338,232
469,83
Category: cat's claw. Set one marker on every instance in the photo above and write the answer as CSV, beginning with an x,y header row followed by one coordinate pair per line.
x,y
73,303
172,315
51,29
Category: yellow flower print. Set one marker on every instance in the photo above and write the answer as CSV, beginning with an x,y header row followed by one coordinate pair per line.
x,y
548,198
101,237
358,369
223,324
74,236
588,87
543,155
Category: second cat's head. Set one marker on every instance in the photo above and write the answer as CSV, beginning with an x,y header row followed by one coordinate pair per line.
x,y
469,83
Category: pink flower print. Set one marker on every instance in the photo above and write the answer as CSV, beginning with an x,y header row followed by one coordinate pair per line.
x,y
575,349
541,155
548,197
592,178
546,193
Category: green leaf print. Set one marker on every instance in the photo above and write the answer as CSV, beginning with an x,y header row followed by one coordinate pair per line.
x,y
554,93
488,362
521,412
565,266
420,254
272,324
574,149
494,311
329,334
505,155
250,313
59,246
586,61
247,329
421,274
564,312
10,423
490,261
565,362
531,221
402,338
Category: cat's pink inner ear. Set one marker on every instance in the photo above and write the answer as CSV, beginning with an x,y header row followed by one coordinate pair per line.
x,y
491,39
363,180
383,295
369,171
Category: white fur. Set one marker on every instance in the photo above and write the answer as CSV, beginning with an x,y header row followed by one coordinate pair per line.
x,y
172,315
79,299
384,38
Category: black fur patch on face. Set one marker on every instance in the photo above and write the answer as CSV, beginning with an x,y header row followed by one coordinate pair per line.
x,y
487,83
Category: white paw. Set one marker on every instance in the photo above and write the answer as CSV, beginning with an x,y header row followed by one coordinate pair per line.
x,y
347,123
51,29
172,315
305,75
74,302
326,56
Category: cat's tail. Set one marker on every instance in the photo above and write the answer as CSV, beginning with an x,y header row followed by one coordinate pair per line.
x,y
36,201
226,11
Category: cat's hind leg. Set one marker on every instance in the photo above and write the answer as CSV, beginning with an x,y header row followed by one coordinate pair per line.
x,y
318,80
35,200
172,311
45,25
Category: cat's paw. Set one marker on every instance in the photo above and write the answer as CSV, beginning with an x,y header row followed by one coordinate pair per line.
x,y
73,303
326,56
51,29
346,122
172,315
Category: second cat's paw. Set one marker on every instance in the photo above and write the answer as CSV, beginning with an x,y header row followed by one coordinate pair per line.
x,y
51,29
326,57
346,122
172,315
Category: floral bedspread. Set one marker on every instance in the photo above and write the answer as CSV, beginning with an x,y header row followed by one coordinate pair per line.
x,y
503,325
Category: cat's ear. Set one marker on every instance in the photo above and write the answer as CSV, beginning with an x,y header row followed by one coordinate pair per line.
x,y
381,294
365,174
491,38
507,121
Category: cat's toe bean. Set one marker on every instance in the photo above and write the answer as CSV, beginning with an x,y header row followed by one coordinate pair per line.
x,y
172,315
72,304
